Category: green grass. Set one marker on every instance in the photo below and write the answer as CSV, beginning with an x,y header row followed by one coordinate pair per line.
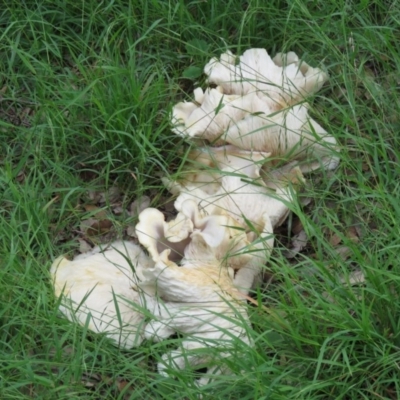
x,y
86,88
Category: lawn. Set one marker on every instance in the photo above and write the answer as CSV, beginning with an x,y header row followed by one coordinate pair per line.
x,y
86,89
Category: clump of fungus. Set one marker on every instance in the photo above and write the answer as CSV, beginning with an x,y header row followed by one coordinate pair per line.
x,y
99,289
231,196
259,104
197,298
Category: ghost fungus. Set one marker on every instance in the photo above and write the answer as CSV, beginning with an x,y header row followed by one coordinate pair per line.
x,y
225,238
157,235
239,193
197,299
259,105
281,81
204,167
215,114
233,198
100,289
289,132
254,205
221,233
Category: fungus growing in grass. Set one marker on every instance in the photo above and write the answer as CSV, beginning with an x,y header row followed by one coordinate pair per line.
x,y
99,289
198,299
205,165
259,105
233,188
237,189
157,235
203,263
222,234
280,81
217,111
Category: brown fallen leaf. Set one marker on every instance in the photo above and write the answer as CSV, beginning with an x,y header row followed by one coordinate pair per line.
x,y
298,243
111,195
169,206
353,234
343,252
84,246
139,205
354,278
121,384
20,176
118,210
97,212
335,239
130,231
95,227
297,226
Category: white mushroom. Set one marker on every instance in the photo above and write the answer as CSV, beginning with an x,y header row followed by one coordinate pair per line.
x,y
280,81
197,299
259,105
255,206
156,235
204,167
228,241
221,233
244,199
289,132
99,289
215,114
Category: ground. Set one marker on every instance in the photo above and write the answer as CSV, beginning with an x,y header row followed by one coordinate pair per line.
x,y
85,94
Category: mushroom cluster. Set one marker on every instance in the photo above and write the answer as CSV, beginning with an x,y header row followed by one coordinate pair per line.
x,y
259,104
233,192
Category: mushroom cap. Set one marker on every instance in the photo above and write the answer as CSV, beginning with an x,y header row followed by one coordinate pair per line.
x,y
215,114
206,166
229,157
246,201
103,285
197,298
219,236
289,132
280,81
156,235
259,105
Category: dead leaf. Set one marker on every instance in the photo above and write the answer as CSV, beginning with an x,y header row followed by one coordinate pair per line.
x,y
20,176
335,239
355,278
94,196
343,252
297,226
130,231
84,246
139,205
91,380
95,227
121,384
305,201
169,206
359,231
111,195
118,210
353,234
298,242
97,212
